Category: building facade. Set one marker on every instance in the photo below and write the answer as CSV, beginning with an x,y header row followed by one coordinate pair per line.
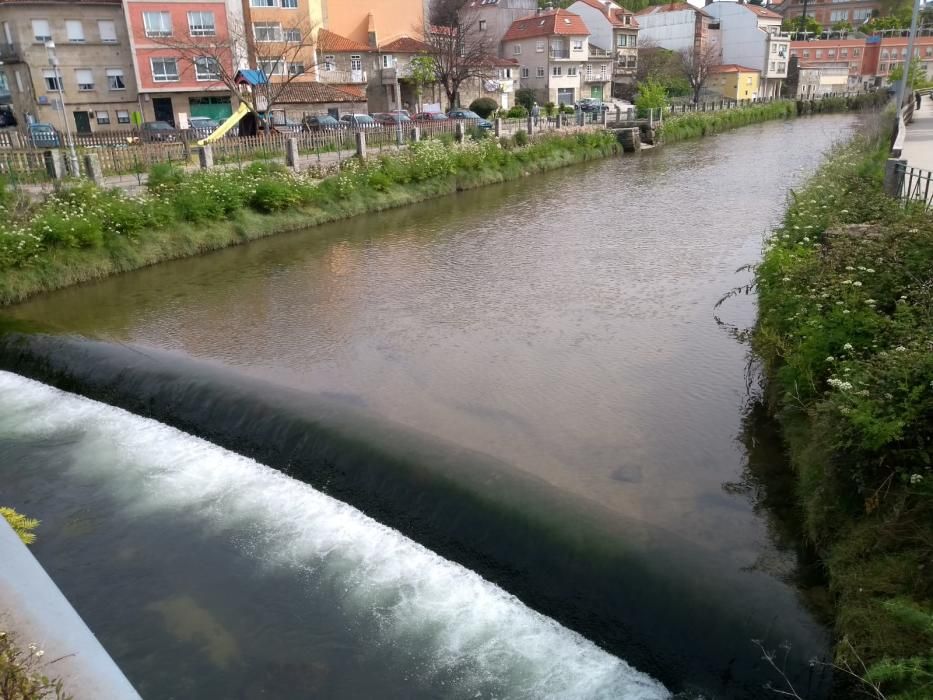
x,y
828,14
734,82
281,36
173,86
374,22
94,71
492,18
751,36
614,29
677,26
835,54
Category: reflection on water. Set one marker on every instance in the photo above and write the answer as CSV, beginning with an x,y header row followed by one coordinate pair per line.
x,y
188,621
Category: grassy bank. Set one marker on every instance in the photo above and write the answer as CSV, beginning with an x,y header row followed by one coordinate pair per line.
x,y
694,124
83,233
845,334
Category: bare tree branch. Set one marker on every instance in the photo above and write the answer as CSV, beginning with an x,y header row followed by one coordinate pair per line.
x,y
460,52
697,64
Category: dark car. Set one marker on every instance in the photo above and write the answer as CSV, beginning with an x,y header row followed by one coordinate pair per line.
x,y
203,126
472,116
430,117
43,135
391,118
324,122
157,131
592,104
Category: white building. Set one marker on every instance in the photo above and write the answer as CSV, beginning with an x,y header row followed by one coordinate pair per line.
x,y
750,35
492,18
677,26
613,29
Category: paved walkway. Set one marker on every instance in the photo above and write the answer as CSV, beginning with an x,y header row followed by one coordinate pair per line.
x,y
918,145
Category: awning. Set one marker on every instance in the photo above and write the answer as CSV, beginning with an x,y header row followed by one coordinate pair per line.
x,y
250,77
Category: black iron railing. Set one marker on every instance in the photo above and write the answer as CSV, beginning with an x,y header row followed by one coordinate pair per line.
x,y
914,185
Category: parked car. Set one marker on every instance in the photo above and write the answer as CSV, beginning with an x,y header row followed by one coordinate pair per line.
x,y
203,126
358,122
158,131
592,104
323,122
43,135
391,118
430,117
472,116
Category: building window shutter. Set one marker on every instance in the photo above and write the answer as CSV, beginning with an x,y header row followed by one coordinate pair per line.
x,y
75,31
41,31
108,31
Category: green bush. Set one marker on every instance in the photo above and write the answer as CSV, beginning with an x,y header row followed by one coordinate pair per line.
x,y
521,138
525,98
484,106
517,112
550,109
165,176
477,133
273,195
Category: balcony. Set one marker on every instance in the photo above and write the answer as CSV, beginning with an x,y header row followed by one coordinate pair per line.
x,y
391,75
596,77
10,52
555,53
343,77
625,69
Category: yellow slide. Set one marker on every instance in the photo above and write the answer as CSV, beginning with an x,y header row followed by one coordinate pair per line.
x,y
231,122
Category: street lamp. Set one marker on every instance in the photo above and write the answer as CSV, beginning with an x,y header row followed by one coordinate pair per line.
x,y
53,61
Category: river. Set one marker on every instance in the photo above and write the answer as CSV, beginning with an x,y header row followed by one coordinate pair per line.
x,y
529,380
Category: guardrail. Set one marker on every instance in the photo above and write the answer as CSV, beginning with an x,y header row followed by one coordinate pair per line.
x,y
913,185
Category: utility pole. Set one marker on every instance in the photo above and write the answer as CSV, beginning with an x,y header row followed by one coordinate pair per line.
x,y
902,83
53,61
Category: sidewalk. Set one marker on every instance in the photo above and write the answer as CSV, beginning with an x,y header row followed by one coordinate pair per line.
x,y
918,144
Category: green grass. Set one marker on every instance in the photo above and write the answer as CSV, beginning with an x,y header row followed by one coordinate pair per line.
x,y
844,332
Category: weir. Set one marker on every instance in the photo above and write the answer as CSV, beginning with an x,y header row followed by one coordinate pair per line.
x,y
634,590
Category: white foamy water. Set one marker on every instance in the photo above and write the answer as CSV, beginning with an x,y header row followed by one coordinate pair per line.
x,y
457,624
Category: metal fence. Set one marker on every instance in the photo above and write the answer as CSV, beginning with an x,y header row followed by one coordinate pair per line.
x,y
914,186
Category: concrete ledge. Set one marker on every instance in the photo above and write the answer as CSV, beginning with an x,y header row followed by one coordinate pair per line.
x,y
33,609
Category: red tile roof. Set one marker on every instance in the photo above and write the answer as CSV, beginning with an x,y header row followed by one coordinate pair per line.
x,y
763,11
733,68
615,17
405,44
329,41
309,92
670,7
550,23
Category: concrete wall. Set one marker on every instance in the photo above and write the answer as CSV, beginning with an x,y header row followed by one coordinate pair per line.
x,y
391,18
670,30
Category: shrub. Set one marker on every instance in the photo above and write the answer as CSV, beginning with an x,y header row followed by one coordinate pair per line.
x,y
506,142
273,194
477,133
550,109
484,106
164,176
521,138
651,95
525,98
21,673
517,112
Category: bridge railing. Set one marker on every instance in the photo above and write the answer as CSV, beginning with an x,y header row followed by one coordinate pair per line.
x,y
913,186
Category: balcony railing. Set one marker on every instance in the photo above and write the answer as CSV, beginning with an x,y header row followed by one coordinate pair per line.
x,y
9,52
559,53
595,77
343,76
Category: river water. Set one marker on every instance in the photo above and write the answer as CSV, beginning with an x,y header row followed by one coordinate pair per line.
x,y
529,380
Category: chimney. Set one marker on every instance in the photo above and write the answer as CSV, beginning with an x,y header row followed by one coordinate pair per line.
x,y
608,9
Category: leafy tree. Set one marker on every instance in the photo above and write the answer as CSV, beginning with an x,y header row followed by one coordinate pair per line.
x,y
651,95
484,106
697,64
525,97
423,73
917,77
842,27
799,24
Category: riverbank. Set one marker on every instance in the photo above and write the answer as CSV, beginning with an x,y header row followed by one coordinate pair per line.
x,y
83,233
695,124
844,334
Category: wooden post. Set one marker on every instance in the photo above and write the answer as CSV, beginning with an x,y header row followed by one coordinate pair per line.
x,y
291,153
603,116
498,126
361,145
206,157
560,120
415,134
531,125
93,169
15,140
459,132
55,164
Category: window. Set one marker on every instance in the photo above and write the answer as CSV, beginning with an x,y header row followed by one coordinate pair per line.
x,y
330,63
41,31
856,52
773,48
272,67
603,71
19,81
557,71
262,3
526,73
806,53
831,53
929,50
388,60
843,53
860,15
819,53
482,25
296,68
103,117
885,54
356,63
621,40
74,30
539,45
571,70
6,33
589,71
267,31
85,78
292,34
206,69
578,44
516,49
52,80
782,67
540,72
793,52
115,79
123,117
839,16
164,70
157,23
201,24
290,4
107,30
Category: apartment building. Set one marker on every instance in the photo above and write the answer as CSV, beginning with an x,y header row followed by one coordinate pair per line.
x,y
280,37
853,12
677,26
492,18
79,51
751,36
552,49
832,54
172,84
374,22
614,29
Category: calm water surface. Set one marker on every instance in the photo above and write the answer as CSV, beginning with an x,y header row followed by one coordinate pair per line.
x,y
563,324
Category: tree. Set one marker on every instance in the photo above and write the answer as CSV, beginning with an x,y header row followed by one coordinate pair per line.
x,y
842,27
796,25
284,54
915,79
663,66
651,95
697,63
459,52
422,74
